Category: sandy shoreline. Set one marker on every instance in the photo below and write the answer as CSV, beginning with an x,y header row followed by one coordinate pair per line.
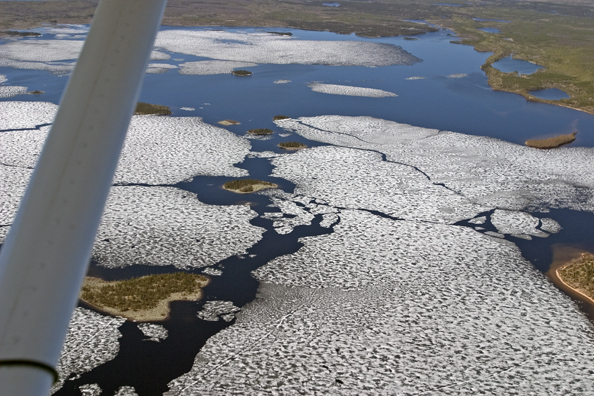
x,y
562,255
159,313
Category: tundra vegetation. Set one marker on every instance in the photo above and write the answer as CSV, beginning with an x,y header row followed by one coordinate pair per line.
x,y
292,145
556,34
246,186
143,108
552,142
143,298
242,73
261,131
579,274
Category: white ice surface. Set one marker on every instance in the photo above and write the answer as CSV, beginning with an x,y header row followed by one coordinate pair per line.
x,y
383,307
212,67
271,48
92,340
158,150
21,115
41,50
212,311
9,91
154,332
90,390
483,170
168,226
126,391
516,223
157,68
347,90
351,178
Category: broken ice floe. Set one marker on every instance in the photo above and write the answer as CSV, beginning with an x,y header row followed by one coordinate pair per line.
x,y
347,90
126,391
90,390
210,271
271,48
53,55
167,150
187,108
212,67
92,340
22,115
478,220
157,150
518,223
10,91
168,226
457,75
483,170
502,331
415,78
295,211
14,181
157,68
550,225
155,332
282,81
350,178
41,50
213,310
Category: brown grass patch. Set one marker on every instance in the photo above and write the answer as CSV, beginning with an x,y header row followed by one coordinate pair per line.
x,y
553,142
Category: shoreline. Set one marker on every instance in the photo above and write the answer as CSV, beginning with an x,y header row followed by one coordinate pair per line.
x,y
255,188
160,313
562,255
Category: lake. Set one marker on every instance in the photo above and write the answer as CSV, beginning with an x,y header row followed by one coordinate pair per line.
x,y
445,90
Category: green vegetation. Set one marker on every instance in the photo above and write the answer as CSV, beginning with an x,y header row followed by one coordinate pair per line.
x,y
132,298
147,108
562,44
246,186
279,117
261,131
292,145
579,274
14,33
553,142
556,34
242,73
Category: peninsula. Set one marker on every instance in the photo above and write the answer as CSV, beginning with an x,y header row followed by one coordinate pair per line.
x,y
145,298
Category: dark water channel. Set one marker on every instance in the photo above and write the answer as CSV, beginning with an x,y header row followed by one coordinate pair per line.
x,y
148,366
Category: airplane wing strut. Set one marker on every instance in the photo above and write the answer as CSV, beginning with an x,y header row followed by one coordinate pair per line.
x,y
46,253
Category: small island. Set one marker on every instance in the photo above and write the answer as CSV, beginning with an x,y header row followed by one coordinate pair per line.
x,y
554,142
279,117
145,298
143,108
578,275
261,131
241,73
292,145
229,122
247,186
